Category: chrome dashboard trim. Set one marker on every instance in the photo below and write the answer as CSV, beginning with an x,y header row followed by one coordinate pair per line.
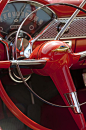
x,y
61,38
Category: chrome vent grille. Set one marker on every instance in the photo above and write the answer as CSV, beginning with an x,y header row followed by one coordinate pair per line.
x,y
77,29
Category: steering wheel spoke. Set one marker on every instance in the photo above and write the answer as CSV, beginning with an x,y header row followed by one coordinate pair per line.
x,y
30,63
5,64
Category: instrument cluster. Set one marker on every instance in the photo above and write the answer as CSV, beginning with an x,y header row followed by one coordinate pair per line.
x,y
15,12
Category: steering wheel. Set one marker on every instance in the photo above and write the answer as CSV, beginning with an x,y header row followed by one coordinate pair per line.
x,y
57,60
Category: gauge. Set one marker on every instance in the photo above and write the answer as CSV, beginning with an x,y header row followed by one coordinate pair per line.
x,y
15,12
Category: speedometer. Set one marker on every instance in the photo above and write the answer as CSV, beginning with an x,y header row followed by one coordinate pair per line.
x,y
15,12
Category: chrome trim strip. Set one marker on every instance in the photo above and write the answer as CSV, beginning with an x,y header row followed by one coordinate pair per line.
x,y
69,17
73,100
64,38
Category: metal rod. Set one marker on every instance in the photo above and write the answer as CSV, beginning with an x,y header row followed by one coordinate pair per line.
x,y
28,62
32,96
69,21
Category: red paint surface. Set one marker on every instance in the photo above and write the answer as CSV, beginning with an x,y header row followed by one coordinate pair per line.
x,y
80,45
